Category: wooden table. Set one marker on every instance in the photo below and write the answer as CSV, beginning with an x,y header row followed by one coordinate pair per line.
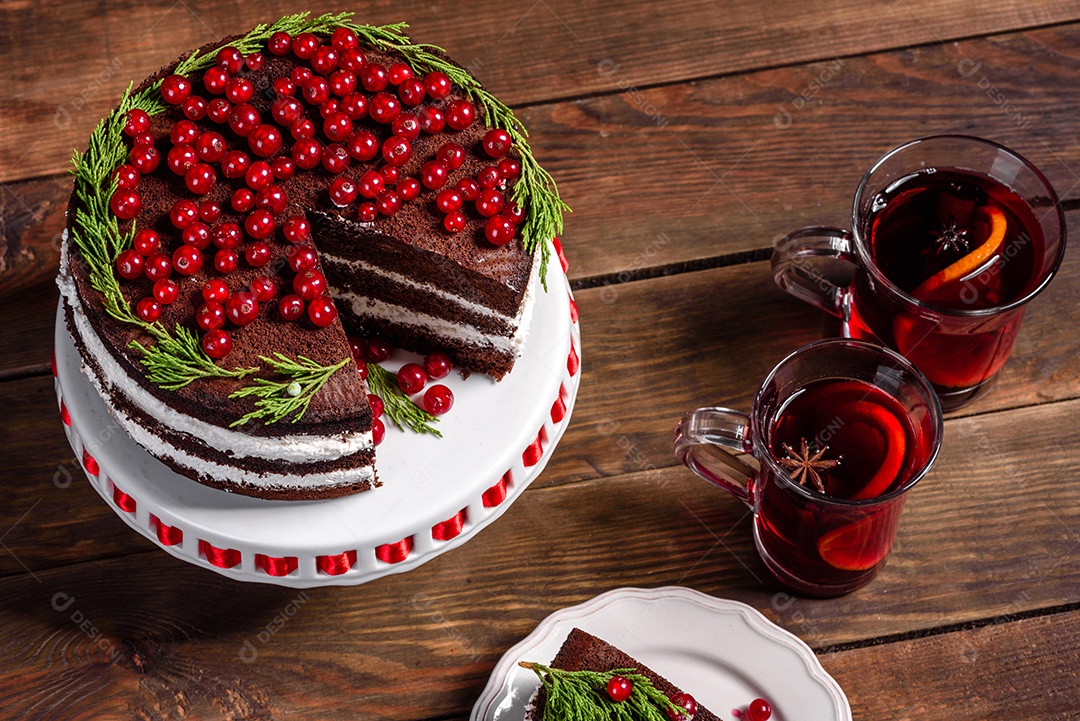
x,y
687,136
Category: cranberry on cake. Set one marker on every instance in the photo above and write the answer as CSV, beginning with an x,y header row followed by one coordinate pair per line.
x,y
250,205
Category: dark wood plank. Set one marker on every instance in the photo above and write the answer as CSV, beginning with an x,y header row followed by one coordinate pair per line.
x,y
1023,669
593,47
31,221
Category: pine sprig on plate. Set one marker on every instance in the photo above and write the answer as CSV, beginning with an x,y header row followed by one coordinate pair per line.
x,y
581,696
399,407
279,398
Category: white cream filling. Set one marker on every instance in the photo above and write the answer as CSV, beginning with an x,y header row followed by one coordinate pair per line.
x,y
293,449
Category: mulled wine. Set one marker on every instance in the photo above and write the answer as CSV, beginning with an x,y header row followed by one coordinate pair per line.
x,y
842,440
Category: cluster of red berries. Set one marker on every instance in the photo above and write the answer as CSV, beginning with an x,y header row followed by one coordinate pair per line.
x,y
411,379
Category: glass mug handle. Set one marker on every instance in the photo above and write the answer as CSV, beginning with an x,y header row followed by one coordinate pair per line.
x,y
796,270
706,441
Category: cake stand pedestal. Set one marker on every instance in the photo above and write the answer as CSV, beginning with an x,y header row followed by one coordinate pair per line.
x,y
436,493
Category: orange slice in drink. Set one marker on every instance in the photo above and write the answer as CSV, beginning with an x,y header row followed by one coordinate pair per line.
x,y
859,545
874,420
994,220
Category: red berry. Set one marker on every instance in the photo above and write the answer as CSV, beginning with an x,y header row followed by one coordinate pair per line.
x,y
286,110
259,224
302,128
243,119
242,200
315,90
376,403
166,291
302,257
284,168
210,147
619,688
759,710
226,261
469,189
499,230
300,75
455,222
322,311
129,264
363,145
388,202
685,702
127,177
432,120
181,159
291,307
263,288
370,184
489,177
411,378
209,211
378,431
367,212
408,188
219,110
325,60
344,38
215,79
374,77
304,45
437,365
273,198
148,310
490,203
187,260
215,290
309,284
144,139
280,44
406,126
194,108
433,174
234,164
509,168
452,154
145,158
384,108
200,179
352,59
448,200
229,58
496,143
397,150
460,115
210,315
390,175
259,175
438,400
515,213
175,89
196,234
136,121
307,153
227,235
411,92
184,132
125,204
358,348
328,107
354,105
335,158
378,349
342,83
255,61
337,127
265,140
438,85
241,308
342,192
284,87
217,343
158,267
297,229
257,254
146,242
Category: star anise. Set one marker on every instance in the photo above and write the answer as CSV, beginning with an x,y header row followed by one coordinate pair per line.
x,y
804,466
951,239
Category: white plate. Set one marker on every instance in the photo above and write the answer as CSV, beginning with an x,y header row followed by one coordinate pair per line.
x,y
723,653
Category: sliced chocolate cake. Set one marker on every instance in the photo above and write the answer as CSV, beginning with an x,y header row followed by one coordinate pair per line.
x,y
250,204
584,652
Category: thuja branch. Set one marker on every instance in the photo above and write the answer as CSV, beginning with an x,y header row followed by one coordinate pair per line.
x,y
303,378
581,696
398,406
177,359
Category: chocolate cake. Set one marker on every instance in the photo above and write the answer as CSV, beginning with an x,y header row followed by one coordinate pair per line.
x,y
584,652
250,205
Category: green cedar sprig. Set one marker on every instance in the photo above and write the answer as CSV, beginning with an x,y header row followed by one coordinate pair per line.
x,y
177,359
581,696
399,407
277,399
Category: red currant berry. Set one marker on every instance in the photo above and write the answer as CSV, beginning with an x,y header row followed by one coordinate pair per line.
x,y
241,308
217,343
226,261
158,267
146,242
759,710
301,258
196,234
388,202
243,119
449,200
411,92
452,154
215,290
322,311
183,213
166,292
283,167
229,58
184,132
619,688
367,212
286,110
259,224
242,200
376,403
438,85
363,145
343,39
499,230
390,175
280,44
406,126
259,175
515,213
175,89
209,211
469,189
509,168
408,188
264,289
352,59
432,120
284,87
411,378
127,177
129,264
337,127
307,153
215,79
125,204
460,115
315,90
433,174
211,315
297,229
239,90
374,77
490,203
304,45
496,143
194,108
265,140
210,147
144,139
291,307
354,105
329,107
300,75
148,310
255,61
437,365
370,184
257,254
489,177
396,150
342,192
302,128
187,260
309,284
378,349
325,60
438,400
378,431
342,83
358,348
227,235
335,158
200,179
145,158
235,164
384,108
219,110
455,222
273,198
685,702
181,159
136,121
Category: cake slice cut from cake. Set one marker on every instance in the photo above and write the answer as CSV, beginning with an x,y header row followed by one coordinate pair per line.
x,y
584,652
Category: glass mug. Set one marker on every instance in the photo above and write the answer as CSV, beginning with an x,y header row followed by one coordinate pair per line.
x,y
922,273
875,429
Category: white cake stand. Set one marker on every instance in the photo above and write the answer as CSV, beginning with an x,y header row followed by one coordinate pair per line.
x,y
436,493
